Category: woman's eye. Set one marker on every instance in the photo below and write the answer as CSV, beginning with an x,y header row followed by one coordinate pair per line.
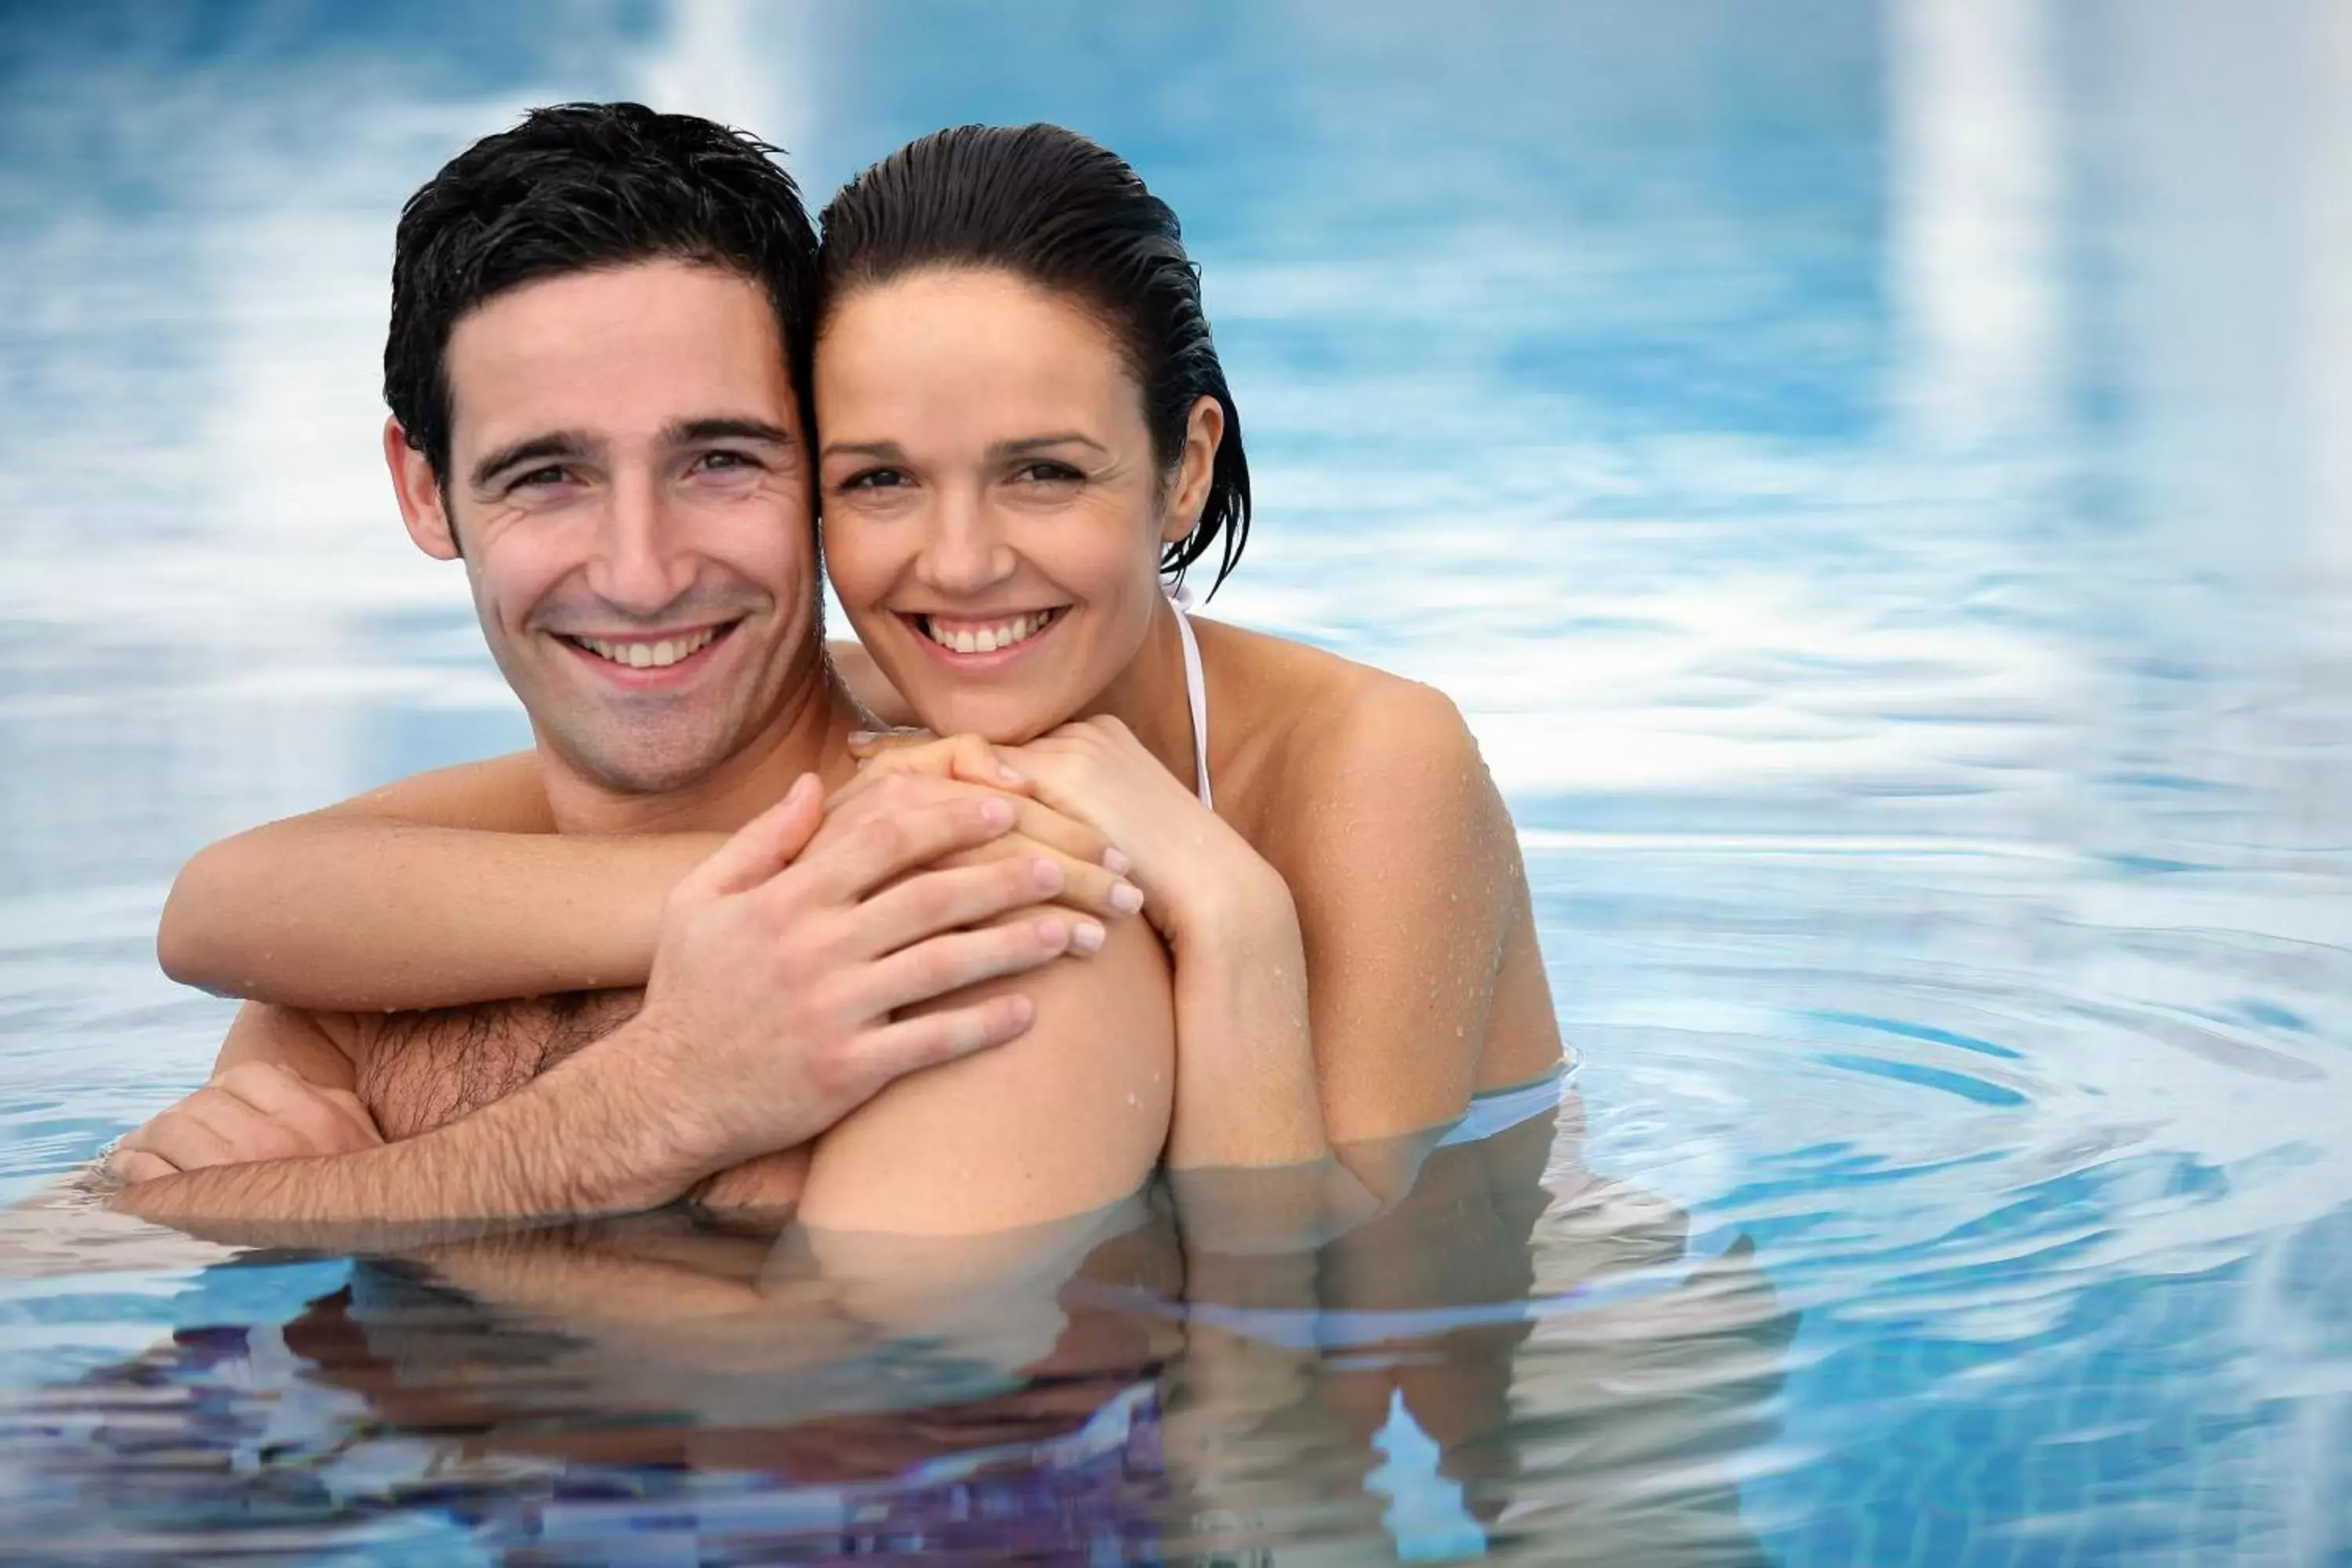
x,y
874,479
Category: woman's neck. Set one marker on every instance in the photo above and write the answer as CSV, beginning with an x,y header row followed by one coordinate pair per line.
x,y
1149,695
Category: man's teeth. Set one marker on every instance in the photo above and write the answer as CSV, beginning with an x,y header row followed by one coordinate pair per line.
x,y
987,638
649,655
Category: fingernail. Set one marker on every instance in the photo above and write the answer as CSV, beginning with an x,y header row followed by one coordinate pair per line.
x,y
1048,874
1086,937
863,737
996,812
1011,774
1051,933
1115,859
1127,898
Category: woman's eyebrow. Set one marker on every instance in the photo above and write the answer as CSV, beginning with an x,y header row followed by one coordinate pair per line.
x,y
881,451
1028,444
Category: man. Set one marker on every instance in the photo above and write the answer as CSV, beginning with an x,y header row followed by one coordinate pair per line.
x,y
595,324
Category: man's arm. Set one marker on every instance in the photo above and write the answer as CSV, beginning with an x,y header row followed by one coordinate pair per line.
x,y
770,1017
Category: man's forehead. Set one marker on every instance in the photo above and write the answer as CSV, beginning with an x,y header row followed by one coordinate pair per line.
x,y
623,352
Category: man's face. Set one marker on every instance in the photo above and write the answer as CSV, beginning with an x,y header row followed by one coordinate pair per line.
x,y
628,483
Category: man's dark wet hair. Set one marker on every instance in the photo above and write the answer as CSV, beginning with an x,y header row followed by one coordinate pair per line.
x,y
576,188
1052,207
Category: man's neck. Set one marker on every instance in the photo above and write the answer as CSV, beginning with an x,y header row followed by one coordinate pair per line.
x,y
810,735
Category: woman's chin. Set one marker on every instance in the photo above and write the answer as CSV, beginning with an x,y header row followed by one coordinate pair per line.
x,y
993,724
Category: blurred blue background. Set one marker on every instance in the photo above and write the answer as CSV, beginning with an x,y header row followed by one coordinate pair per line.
x,y
1877,476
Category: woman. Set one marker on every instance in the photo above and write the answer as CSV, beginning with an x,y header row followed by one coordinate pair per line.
x,y
1025,427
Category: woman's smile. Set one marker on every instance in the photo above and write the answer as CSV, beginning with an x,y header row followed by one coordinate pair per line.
x,y
990,642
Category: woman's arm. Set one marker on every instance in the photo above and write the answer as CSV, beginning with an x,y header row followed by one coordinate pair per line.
x,y
1245,1092
442,890
1406,870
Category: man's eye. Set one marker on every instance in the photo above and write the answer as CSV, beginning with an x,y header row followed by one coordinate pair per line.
x,y
711,462
551,475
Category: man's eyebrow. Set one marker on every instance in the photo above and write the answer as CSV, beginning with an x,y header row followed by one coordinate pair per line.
x,y
727,429
530,450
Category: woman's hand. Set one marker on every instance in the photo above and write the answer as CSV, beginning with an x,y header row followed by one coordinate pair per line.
x,y
1092,871
1197,873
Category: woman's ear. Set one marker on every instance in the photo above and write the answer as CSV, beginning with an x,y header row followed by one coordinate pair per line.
x,y
1204,427
422,506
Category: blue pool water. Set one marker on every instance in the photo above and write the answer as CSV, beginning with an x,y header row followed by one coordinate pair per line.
x,y
1875,476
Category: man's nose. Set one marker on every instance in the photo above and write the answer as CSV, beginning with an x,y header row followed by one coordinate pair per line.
x,y
642,561
965,550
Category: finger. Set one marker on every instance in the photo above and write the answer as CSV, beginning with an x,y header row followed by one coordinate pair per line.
x,y
183,1137
1055,830
132,1166
1085,887
345,1100
886,846
975,761
303,1120
930,902
863,743
881,784
934,967
911,1045
763,846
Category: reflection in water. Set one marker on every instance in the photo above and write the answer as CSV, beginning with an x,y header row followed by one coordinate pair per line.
x,y
1097,1390
1874,475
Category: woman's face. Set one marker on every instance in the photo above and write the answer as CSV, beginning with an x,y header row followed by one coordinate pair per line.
x,y
993,509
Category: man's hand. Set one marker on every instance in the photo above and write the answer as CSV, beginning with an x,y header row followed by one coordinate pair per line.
x,y
785,957
254,1111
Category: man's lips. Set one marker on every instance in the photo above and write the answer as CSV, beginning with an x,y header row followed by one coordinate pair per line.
x,y
648,656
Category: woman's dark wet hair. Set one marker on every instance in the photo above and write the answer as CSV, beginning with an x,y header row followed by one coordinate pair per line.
x,y
1055,209
575,188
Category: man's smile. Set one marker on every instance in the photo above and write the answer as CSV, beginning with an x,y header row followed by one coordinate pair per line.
x,y
640,660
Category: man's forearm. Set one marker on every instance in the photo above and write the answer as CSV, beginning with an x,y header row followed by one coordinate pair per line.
x,y
573,1141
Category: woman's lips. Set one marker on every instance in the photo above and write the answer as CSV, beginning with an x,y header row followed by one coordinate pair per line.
x,y
975,642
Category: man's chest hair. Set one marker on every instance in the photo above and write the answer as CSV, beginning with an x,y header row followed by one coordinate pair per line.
x,y
418,1071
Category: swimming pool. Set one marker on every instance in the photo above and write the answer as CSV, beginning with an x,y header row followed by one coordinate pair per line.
x,y
1873,476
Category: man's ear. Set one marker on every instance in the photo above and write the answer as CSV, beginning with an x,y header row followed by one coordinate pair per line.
x,y
1204,427
419,493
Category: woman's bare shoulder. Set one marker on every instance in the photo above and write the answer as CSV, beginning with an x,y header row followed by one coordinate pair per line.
x,y
1315,721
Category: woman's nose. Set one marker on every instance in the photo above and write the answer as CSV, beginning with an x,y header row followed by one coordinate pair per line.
x,y
964,553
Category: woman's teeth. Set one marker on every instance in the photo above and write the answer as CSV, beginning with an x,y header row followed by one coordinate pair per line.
x,y
650,654
988,637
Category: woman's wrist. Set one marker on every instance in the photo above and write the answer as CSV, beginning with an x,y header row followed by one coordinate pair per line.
x,y
1242,909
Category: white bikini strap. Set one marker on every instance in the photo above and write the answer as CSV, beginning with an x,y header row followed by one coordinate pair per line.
x,y
1196,692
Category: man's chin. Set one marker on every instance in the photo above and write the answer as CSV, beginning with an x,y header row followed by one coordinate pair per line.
x,y
639,770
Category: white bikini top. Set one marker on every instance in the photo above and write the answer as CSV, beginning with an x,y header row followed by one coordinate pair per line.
x,y
1196,693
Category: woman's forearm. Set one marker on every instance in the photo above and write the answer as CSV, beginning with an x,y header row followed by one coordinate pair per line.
x,y
1245,1088
361,915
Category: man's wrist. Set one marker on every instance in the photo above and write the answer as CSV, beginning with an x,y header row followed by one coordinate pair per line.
x,y
624,1142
